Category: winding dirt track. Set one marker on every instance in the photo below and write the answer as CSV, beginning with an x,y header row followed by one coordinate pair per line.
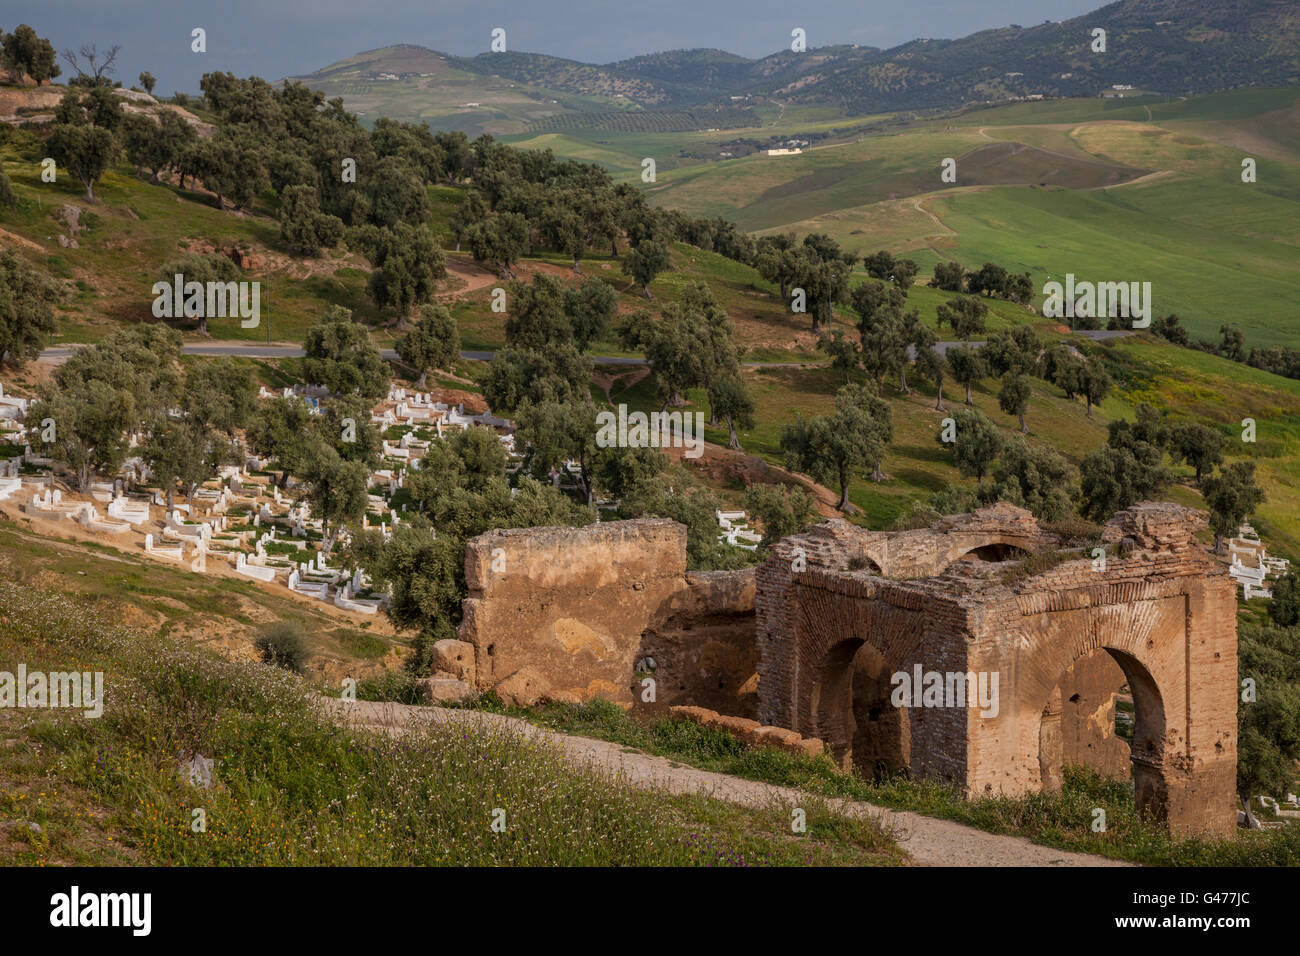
x,y
928,841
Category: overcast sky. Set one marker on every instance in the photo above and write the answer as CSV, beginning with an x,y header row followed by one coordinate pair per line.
x,y
275,38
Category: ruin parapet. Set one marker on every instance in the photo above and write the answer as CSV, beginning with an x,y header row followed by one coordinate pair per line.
x,y
840,612
813,640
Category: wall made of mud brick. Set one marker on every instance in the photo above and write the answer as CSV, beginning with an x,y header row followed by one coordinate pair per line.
x,y
583,606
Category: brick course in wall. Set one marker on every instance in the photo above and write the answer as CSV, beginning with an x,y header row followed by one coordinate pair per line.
x,y
1164,613
584,606
809,640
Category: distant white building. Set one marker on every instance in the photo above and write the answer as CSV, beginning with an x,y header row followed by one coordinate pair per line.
x,y
783,152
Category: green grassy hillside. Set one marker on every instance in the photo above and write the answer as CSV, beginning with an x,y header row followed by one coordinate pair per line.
x,y
1215,251
415,84
1069,186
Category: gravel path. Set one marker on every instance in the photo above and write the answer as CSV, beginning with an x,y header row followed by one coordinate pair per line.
x,y
928,841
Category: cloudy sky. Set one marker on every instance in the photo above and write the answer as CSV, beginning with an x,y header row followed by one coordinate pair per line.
x,y
275,38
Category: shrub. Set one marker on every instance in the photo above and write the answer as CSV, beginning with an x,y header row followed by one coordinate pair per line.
x,y
283,645
1074,532
393,686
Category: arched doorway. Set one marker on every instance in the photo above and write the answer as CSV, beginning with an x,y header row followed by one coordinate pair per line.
x,y
882,739
832,701
1078,725
852,711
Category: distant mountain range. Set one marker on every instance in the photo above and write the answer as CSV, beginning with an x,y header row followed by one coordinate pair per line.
x,y
1161,46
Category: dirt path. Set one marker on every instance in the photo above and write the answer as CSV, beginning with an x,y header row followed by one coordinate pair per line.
x,y
12,237
1149,177
916,204
468,271
927,840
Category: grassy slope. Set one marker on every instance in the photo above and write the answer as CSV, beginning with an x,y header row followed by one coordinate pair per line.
x,y
138,226
1183,382
120,254
442,98
206,609
289,788
621,152
1062,820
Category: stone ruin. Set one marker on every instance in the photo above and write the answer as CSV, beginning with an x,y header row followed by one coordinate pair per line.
x,y
594,610
820,637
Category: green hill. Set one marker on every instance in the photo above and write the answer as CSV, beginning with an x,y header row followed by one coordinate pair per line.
x,y
1051,188
1171,47
1215,249
412,83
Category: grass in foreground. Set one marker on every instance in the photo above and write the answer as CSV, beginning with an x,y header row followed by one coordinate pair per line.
x,y
1061,820
290,788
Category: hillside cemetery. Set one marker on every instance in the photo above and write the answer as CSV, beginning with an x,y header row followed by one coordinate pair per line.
x,y
248,519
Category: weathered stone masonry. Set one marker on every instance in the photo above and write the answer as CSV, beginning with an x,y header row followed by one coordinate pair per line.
x,y
809,641
1163,611
582,606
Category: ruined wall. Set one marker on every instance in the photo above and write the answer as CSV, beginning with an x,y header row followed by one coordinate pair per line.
x,y
1162,612
582,606
811,639
702,644
1088,691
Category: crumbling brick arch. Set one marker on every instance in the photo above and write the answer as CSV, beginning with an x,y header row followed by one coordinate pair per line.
x,y
839,645
995,551
988,547
1078,723
1160,608
831,707
1142,626
1146,749
851,711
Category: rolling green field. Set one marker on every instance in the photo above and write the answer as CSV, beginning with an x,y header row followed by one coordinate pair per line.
x,y
1095,188
621,152
429,88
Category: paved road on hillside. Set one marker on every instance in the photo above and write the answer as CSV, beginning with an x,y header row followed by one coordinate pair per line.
x,y
247,350
928,841
242,350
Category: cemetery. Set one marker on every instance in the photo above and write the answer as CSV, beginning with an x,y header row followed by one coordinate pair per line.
x,y
246,520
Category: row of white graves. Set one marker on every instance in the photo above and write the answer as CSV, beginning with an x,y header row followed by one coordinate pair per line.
x,y
193,531
242,509
736,530
1251,564
12,407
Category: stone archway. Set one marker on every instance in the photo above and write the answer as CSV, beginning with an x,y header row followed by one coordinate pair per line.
x,y
994,551
852,712
1150,776
832,701
1162,612
1182,770
1078,721
882,738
